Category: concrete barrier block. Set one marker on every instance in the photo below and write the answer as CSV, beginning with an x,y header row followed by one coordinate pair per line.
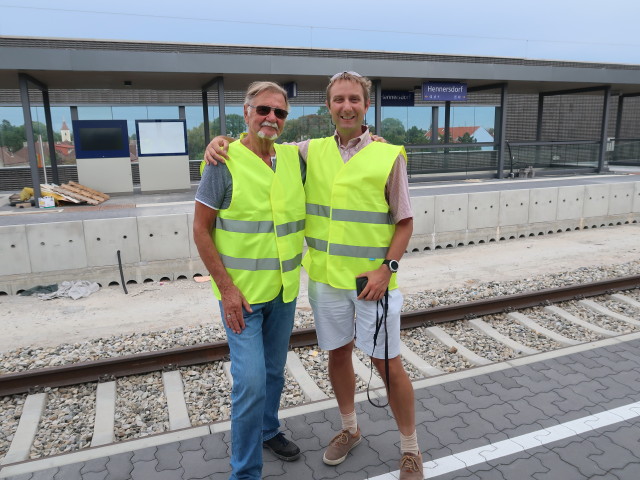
x,y
596,200
622,219
56,246
513,232
424,215
14,250
450,239
570,202
479,236
104,237
484,208
543,204
451,212
636,198
568,225
193,250
163,237
5,289
420,243
621,198
514,207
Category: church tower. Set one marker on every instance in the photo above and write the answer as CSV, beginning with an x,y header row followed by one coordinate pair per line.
x,y
65,133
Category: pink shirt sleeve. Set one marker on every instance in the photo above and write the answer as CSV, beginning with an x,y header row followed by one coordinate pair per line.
x,y
397,191
303,148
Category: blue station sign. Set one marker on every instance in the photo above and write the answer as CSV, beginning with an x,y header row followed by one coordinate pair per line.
x,y
397,98
444,91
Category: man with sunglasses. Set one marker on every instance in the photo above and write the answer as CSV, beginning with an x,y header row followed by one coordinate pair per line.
x,y
359,222
249,229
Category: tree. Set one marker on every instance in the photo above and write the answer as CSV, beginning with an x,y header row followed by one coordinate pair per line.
x,y
316,125
415,136
11,137
195,142
467,138
393,131
234,123
14,136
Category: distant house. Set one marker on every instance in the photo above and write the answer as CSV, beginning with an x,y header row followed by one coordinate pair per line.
x,y
480,134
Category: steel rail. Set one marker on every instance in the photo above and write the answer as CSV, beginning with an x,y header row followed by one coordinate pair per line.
x,y
121,366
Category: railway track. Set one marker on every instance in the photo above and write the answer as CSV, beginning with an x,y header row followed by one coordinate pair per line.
x,y
465,335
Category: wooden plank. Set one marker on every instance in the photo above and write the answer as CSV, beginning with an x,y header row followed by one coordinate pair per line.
x,y
79,196
51,188
81,192
69,196
84,187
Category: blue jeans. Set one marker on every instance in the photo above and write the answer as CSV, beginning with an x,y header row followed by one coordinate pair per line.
x,y
258,357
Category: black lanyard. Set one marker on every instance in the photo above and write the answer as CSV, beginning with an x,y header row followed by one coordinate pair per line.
x,y
381,318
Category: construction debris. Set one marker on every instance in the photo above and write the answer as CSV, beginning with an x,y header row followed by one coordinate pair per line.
x,y
75,193
70,192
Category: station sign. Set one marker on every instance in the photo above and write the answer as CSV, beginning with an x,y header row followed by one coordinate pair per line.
x,y
397,98
444,91
292,89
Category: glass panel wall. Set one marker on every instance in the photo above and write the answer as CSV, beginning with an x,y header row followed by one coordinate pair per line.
x,y
13,151
412,125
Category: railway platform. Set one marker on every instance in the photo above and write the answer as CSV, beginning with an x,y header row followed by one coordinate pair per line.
x,y
573,413
140,204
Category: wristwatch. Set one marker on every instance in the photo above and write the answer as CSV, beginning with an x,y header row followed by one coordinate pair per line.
x,y
392,264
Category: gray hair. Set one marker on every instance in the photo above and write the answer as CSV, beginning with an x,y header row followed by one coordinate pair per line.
x,y
256,88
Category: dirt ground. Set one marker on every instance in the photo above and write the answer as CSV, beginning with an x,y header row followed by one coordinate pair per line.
x,y
158,306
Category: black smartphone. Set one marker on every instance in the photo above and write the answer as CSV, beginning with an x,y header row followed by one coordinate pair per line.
x,y
361,282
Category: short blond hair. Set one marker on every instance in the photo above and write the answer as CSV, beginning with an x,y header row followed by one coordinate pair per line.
x,y
355,77
256,88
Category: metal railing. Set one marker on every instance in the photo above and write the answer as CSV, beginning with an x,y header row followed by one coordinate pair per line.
x,y
577,155
625,152
455,158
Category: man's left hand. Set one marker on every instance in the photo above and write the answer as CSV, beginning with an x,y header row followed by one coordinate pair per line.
x,y
377,283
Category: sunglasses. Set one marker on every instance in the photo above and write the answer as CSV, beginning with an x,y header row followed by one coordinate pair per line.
x,y
265,110
340,74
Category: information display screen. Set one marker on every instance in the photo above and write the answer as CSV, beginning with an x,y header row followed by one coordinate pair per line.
x,y
161,137
101,138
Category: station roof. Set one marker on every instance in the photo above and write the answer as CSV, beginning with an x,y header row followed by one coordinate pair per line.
x,y
100,64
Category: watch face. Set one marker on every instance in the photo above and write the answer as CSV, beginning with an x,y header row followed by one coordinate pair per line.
x,y
393,265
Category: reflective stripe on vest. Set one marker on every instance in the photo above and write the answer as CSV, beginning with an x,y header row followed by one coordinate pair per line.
x,y
345,241
245,226
260,236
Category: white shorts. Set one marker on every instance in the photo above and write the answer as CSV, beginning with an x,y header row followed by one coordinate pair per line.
x,y
340,317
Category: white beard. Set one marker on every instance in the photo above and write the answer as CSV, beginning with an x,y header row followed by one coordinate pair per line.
x,y
261,134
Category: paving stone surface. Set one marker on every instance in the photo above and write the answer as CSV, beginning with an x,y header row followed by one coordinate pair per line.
x,y
452,418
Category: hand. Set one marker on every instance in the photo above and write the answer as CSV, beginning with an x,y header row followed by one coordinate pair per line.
x,y
377,284
233,302
376,138
217,151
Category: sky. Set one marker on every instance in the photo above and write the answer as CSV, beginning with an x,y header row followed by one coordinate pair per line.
x,y
589,31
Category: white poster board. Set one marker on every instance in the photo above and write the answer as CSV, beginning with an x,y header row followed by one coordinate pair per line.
x,y
161,137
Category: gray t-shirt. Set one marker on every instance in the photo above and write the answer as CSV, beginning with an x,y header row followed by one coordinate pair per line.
x,y
216,185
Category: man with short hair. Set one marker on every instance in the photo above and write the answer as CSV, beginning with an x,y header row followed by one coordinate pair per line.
x,y
358,224
249,228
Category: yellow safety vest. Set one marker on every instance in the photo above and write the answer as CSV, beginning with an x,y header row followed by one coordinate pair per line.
x,y
260,236
348,227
